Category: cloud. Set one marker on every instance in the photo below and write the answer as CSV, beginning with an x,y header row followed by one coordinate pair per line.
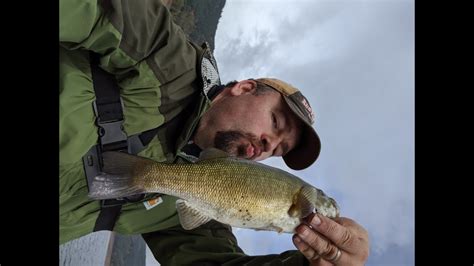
x,y
354,62
244,57
391,256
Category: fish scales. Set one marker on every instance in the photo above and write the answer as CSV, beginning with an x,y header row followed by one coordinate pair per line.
x,y
245,192
233,191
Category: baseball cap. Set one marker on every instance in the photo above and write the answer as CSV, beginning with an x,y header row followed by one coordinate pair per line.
x,y
309,147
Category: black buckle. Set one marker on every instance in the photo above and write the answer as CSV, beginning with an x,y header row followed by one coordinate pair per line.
x,y
111,133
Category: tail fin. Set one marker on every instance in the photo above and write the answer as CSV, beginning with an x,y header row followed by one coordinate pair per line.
x,y
117,178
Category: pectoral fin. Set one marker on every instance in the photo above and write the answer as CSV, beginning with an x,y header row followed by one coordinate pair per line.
x,y
189,216
303,202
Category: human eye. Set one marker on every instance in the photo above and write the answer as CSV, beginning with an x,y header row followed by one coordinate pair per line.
x,y
274,121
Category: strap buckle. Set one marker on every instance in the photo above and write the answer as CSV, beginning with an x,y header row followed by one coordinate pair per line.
x,y
111,133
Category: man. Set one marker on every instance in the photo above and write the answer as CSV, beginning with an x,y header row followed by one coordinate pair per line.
x,y
172,106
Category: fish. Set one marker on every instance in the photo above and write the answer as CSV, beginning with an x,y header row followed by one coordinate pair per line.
x,y
231,190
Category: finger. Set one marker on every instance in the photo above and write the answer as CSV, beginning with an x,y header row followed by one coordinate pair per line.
x,y
320,245
338,234
342,258
307,251
361,232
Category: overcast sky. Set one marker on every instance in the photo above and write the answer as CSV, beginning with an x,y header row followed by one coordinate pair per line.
x,y
354,61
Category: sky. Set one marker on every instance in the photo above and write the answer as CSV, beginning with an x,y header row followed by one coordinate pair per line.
x,y
354,61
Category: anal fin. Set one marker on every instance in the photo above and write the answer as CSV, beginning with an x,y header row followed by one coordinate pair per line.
x,y
189,216
270,227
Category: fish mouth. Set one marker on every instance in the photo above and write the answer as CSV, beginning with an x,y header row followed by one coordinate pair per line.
x,y
336,207
328,207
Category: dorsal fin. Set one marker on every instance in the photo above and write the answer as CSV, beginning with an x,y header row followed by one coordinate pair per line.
x,y
213,153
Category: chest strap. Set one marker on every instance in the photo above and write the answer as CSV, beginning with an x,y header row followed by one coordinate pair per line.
x,y
108,109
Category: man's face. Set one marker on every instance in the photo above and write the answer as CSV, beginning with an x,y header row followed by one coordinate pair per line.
x,y
248,125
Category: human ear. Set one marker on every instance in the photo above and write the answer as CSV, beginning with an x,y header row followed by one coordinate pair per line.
x,y
242,87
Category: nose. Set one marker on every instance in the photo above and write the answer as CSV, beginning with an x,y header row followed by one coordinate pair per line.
x,y
270,143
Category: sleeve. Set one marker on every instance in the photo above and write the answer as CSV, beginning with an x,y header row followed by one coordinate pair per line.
x,y
210,244
138,42
124,33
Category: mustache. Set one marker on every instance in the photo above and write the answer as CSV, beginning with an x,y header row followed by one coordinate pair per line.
x,y
228,141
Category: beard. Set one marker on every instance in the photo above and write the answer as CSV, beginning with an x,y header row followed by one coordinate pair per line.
x,y
235,142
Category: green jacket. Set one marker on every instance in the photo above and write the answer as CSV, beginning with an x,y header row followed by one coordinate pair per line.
x,y
158,71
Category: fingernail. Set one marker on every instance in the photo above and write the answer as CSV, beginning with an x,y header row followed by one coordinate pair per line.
x,y
316,220
297,239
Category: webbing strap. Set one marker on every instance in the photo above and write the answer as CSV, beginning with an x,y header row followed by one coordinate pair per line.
x,y
108,108
109,119
107,218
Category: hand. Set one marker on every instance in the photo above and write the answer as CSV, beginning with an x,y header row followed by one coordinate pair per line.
x,y
332,242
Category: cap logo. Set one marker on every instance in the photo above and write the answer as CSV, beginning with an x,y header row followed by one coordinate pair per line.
x,y
308,109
